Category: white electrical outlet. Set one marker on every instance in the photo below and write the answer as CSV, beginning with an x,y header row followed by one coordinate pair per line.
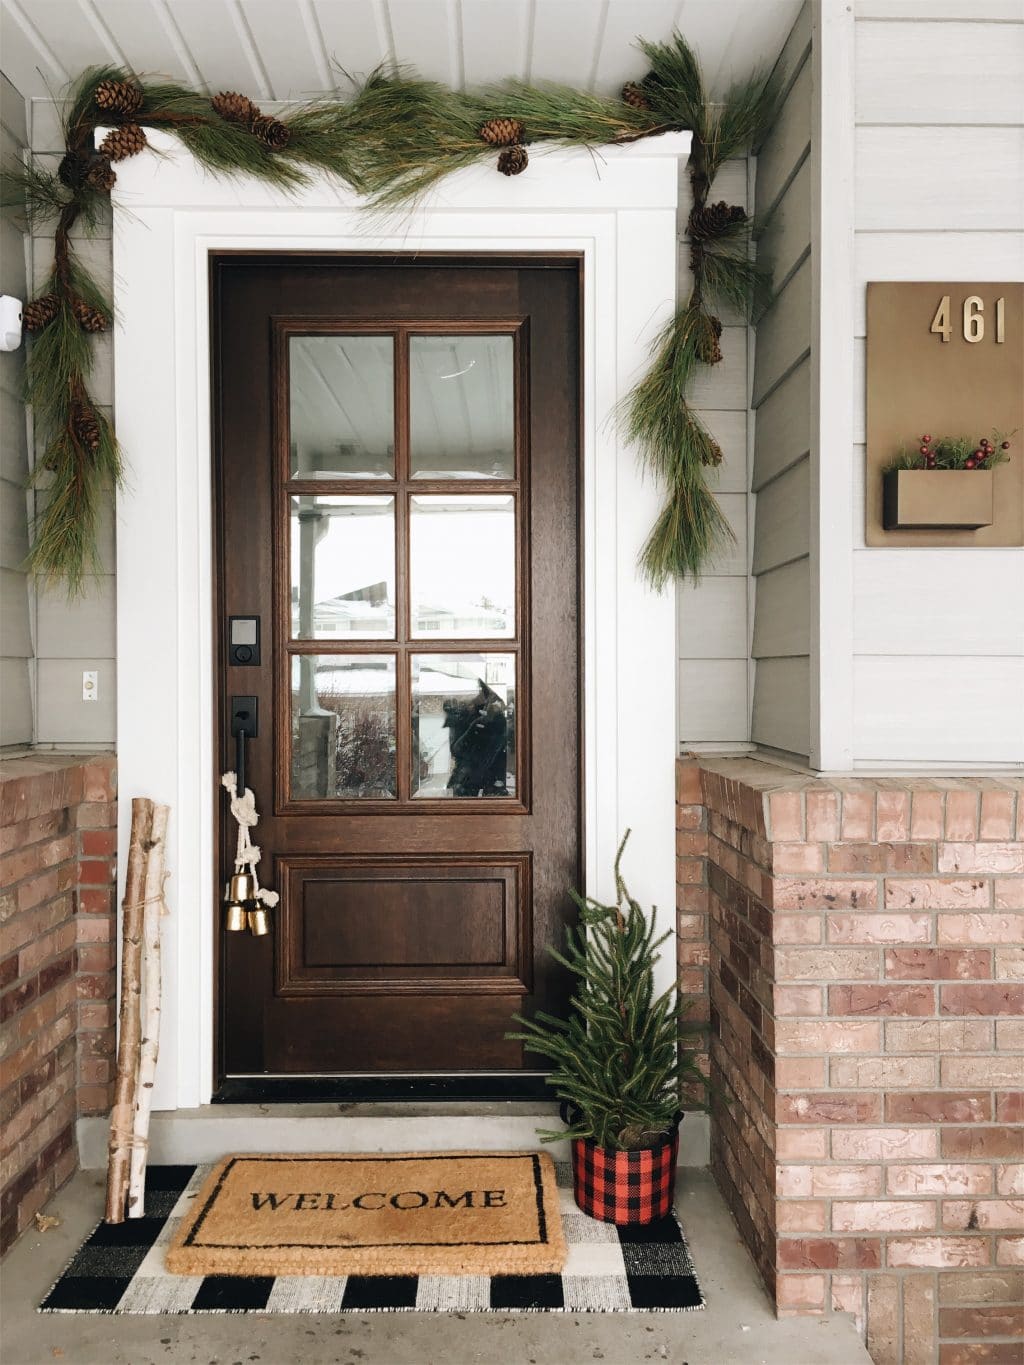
x,y
90,685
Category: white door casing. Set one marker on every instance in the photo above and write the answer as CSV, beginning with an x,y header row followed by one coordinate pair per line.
x,y
617,208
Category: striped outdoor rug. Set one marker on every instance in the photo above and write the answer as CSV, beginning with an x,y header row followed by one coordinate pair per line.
x,y
120,1269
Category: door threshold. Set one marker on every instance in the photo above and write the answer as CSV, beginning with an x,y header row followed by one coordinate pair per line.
x,y
366,1088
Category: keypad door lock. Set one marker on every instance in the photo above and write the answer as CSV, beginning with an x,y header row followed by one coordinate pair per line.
x,y
243,641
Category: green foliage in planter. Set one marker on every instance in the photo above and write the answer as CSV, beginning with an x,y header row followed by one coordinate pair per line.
x,y
617,1058
953,452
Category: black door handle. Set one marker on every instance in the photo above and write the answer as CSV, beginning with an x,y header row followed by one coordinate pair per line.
x,y
244,725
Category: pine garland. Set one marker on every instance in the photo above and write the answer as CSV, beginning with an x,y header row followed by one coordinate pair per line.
x,y
617,1059
397,138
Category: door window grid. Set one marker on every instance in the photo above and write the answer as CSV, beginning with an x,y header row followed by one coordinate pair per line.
x,y
484,760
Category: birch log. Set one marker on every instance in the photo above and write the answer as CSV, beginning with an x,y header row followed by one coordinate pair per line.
x,y
129,1024
149,1047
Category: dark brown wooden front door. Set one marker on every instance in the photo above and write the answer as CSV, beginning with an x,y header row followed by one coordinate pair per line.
x,y
397,502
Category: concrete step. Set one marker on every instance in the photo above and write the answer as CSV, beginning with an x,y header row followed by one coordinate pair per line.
x,y
211,1131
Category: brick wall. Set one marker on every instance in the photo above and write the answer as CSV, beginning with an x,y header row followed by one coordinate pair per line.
x,y
57,848
867,985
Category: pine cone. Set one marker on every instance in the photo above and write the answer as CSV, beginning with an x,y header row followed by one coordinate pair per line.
x,y
73,169
271,131
101,175
708,349
40,312
502,132
118,97
513,160
713,219
714,454
634,94
123,141
85,425
235,108
90,319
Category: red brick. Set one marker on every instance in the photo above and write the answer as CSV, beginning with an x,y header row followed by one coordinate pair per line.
x,y
825,893
826,964
974,929
927,815
1010,1106
1003,1141
800,1293
888,1000
884,1144
1010,1178
937,893
858,816
786,816
1008,893
829,1107
983,1215
987,1000
938,964
941,1252
829,1253
981,1322
688,783
948,1177
1010,1251
96,901
822,815
99,843
879,928
95,872
892,813
96,815
996,815
828,1037
884,1215
939,1107
979,1353
884,857
981,858
962,815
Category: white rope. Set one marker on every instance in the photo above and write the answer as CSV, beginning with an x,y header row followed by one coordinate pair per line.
x,y
247,854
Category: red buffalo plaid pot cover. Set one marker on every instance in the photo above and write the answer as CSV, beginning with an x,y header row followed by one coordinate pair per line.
x,y
625,1187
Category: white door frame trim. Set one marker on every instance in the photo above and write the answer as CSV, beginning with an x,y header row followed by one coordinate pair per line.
x,y
619,211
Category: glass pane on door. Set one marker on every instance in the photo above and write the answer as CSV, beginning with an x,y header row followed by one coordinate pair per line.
x,y
342,407
343,726
462,407
463,725
342,567
462,565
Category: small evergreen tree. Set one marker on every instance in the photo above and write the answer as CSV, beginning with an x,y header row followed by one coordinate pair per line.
x,y
617,1059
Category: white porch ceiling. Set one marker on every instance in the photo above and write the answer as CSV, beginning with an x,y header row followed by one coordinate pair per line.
x,y
298,49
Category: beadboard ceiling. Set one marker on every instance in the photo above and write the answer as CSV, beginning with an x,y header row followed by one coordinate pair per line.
x,y
297,49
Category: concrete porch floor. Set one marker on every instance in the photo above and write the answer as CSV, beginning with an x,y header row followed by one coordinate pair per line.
x,y
738,1327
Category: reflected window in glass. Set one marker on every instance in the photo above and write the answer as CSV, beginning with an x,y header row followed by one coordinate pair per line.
x,y
462,564
463,725
342,567
342,407
461,407
343,727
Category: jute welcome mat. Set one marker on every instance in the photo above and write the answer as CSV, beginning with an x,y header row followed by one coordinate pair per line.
x,y
121,1269
450,1213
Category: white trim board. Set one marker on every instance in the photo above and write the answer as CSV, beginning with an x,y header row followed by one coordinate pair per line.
x,y
618,210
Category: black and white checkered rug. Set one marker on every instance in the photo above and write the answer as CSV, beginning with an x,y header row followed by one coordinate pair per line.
x,y
120,1269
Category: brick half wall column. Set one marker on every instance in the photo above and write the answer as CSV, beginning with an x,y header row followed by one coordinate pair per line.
x,y
57,856
867,989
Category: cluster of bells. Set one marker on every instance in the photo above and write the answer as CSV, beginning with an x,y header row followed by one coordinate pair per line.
x,y
241,908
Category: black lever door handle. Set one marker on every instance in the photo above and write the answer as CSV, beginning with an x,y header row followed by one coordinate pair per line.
x,y
244,725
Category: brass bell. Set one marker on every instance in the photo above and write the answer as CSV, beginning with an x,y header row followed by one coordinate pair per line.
x,y
242,887
234,917
259,921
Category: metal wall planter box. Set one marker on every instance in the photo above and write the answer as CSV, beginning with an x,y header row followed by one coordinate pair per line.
x,y
937,499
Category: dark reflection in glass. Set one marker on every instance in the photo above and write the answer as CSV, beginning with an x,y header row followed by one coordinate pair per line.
x,y
463,725
461,407
342,407
343,726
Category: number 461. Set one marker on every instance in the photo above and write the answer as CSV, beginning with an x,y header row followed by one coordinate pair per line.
x,y
973,319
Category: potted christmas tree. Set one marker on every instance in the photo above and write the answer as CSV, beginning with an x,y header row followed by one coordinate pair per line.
x,y
619,1065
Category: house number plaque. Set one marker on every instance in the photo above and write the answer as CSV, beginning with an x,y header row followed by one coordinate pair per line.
x,y
947,360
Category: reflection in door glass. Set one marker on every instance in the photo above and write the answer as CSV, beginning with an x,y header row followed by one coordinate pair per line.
x,y
462,565
463,725
343,567
342,406
461,410
343,726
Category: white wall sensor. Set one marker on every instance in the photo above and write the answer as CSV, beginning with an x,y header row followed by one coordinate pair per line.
x,y
10,323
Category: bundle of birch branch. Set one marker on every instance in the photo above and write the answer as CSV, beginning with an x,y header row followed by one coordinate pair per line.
x,y
138,1027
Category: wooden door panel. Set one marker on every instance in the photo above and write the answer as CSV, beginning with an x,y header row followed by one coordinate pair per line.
x,y
422,923
417,903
